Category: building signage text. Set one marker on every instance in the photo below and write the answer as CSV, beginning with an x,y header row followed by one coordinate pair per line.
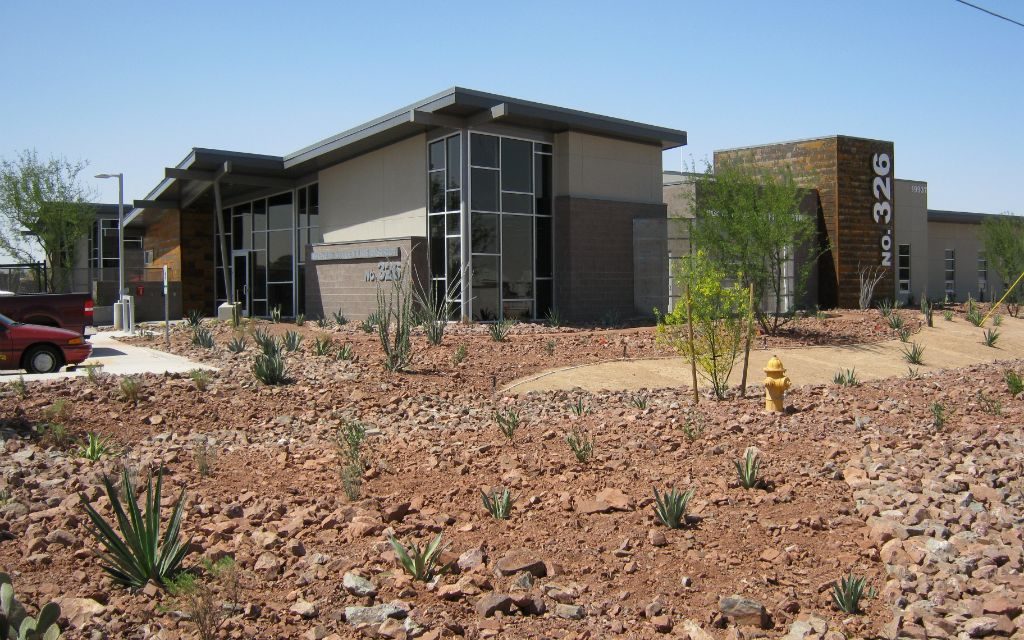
x,y
881,186
386,272
354,254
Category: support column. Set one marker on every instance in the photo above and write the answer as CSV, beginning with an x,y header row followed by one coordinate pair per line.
x,y
466,275
222,244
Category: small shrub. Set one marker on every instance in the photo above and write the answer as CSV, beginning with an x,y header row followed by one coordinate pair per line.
x,y
339,318
345,352
194,318
639,401
60,410
92,373
693,426
913,354
291,341
508,423
323,346
237,344
582,444
913,373
261,336
420,563
460,355
549,347
55,434
131,389
670,507
553,318
275,314
270,369
20,387
94,448
748,467
938,411
300,319
927,310
16,624
204,456
903,334
498,503
990,337
139,554
499,330
579,408
201,378
350,438
271,347
885,308
819,314
997,320
895,321
202,337
846,378
369,324
847,592
1014,384
323,323
197,596
991,406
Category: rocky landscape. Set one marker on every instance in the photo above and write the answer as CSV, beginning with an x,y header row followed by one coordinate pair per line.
x,y
868,480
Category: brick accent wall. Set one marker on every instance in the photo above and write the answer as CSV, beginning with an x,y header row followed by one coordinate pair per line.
x,y
594,256
333,285
197,261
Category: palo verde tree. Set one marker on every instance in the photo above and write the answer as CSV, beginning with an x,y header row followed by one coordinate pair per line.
x,y
1003,241
719,314
749,223
44,210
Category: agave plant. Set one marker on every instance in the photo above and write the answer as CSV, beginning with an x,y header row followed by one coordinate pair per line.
x,y
670,507
323,346
846,378
339,318
194,317
345,352
95,447
275,314
237,344
499,330
508,423
895,321
581,443
498,503
422,563
990,337
16,624
139,554
748,467
202,337
639,401
847,592
300,319
914,353
292,339
323,323
270,369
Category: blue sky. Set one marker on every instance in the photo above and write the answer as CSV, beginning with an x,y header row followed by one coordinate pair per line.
x,y
133,86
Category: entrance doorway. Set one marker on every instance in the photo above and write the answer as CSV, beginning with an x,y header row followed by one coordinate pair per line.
x,y
240,279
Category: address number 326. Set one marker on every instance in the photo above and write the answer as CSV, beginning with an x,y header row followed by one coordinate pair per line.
x,y
882,187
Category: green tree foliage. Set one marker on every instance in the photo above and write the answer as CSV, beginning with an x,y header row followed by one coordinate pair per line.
x,y
43,212
719,313
1003,240
749,223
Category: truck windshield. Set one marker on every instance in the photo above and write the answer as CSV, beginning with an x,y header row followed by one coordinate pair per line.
x,y
4,319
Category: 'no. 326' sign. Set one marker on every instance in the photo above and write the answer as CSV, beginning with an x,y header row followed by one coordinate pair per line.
x,y
881,186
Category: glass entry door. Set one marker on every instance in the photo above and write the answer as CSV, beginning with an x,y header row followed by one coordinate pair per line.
x,y
240,279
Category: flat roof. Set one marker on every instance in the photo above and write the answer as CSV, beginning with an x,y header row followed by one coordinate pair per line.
x,y
959,217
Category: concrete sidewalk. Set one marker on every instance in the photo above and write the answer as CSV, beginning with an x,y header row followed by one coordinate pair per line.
x,y
946,345
119,359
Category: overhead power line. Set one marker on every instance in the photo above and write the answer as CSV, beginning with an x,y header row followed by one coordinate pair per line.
x,y
991,13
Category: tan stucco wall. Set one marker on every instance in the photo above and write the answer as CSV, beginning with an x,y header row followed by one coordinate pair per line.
x,y
381,194
964,239
910,219
587,166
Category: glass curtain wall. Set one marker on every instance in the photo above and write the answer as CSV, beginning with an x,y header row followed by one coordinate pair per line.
x,y
444,219
510,228
266,239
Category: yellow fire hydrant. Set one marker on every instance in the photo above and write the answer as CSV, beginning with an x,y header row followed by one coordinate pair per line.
x,y
775,385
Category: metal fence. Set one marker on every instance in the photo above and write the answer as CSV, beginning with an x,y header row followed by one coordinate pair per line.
x,y
100,283
23,278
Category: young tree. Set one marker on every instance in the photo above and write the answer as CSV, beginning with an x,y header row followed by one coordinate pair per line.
x,y
719,315
44,210
1003,241
750,224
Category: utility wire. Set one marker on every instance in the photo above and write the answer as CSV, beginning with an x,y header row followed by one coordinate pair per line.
x,y
991,13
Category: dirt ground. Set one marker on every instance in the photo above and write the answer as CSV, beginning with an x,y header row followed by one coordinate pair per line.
x,y
856,479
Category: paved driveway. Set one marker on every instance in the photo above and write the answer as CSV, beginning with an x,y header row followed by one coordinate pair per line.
x,y
117,358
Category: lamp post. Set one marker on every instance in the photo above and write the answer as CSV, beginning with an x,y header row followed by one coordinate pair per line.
x,y
120,233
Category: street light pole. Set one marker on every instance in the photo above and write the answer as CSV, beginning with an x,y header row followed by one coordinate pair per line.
x,y
120,233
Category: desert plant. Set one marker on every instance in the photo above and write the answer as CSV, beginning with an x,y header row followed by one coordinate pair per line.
x,y
237,344
498,502
903,334
991,406
350,438
579,407
997,320
139,554
55,434
345,352
846,378
369,324
938,411
270,346
990,337
508,423
913,353
499,330
323,346
927,309
270,369
885,307
549,347
869,278
300,319
847,592
275,314
434,306
1014,384
291,341
460,355
913,373
639,401
204,456
95,447
194,317
198,598
553,318
670,507
20,387
693,426
261,337
394,323
323,323
201,378
581,443
202,337
819,314
60,410
895,321
339,318
747,468
92,373
422,563
131,389
16,624
948,315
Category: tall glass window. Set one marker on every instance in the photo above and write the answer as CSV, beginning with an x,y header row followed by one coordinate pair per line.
x,y
444,219
950,274
510,231
903,267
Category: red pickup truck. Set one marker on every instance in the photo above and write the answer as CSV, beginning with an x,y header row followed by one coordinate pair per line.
x,y
71,311
39,349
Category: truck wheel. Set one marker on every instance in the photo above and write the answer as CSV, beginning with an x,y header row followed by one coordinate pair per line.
x,y
42,359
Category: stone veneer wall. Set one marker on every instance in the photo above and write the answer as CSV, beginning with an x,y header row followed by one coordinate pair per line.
x,y
333,285
594,268
197,261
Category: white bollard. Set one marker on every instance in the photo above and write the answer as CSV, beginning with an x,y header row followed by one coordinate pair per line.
x,y
118,318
